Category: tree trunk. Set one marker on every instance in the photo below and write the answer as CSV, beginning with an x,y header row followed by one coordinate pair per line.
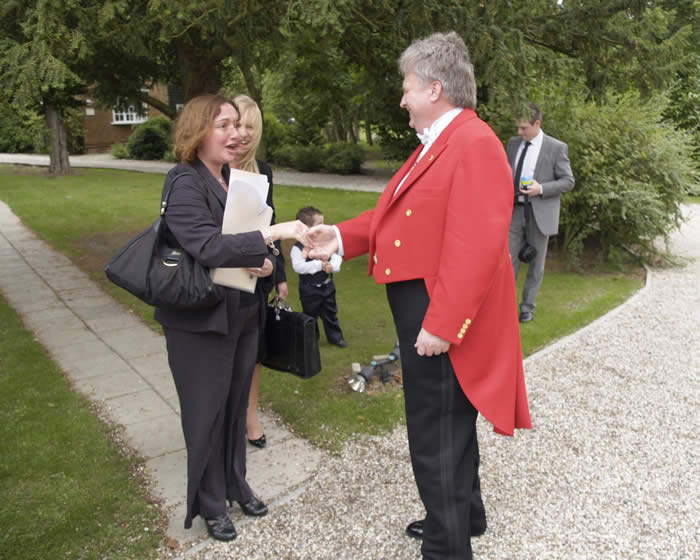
x,y
199,73
59,164
249,76
368,131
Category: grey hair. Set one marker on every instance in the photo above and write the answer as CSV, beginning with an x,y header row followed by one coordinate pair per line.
x,y
443,57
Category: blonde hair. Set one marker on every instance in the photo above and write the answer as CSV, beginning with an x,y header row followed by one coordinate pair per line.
x,y
248,109
194,123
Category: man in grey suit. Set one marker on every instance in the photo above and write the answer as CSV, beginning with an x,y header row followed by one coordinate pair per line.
x,y
542,163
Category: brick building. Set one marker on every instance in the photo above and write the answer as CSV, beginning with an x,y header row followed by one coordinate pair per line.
x,y
104,127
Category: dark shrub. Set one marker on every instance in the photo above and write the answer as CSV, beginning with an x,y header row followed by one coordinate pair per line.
x,y
308,158
151,140
344,158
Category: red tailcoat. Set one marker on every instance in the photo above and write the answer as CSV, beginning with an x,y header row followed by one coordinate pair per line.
x,y
448,225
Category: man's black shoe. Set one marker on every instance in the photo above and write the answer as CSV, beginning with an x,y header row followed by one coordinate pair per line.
x,y
220,527
415,529
526,316
340,343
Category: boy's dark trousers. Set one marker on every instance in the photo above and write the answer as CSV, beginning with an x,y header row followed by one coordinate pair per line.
x,y
320,302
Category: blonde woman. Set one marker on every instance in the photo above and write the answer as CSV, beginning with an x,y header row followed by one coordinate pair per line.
x,y
250,127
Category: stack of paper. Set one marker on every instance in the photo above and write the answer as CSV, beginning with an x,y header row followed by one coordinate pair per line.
x,y
246,210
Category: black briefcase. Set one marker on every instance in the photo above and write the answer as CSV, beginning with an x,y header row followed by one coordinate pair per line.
x,y
291,341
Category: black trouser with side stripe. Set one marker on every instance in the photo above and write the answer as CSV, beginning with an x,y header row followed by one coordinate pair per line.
x,y
441,425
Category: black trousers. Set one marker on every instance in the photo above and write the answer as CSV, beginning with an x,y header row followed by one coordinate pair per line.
x,y
320,302
212,374
441,425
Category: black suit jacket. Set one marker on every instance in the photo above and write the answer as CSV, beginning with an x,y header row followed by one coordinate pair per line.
x,y
280,275
194,217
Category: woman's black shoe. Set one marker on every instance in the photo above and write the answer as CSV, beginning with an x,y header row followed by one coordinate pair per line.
x,y
220,527
253,507
261,442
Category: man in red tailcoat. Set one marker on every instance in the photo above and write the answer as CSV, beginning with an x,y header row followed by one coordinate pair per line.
x,y
438,239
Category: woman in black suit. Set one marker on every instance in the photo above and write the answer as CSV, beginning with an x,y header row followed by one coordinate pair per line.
x,y
250,127
212,352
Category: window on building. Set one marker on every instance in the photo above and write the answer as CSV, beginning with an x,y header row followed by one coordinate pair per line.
x,y
128,114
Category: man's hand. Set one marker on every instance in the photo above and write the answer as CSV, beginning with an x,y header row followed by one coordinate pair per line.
x,y
262,272
534,189
327,267
430,345
282,291
320,242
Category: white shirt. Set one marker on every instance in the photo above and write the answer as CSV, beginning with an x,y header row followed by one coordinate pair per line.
x,y
302,266
533,152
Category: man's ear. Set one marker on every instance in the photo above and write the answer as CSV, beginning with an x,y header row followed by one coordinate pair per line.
x,y
435,90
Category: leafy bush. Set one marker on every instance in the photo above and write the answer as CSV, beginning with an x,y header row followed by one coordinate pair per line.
x,y
632,171
22,130
309,158
303,158
344,158
119,151
151,140
274,137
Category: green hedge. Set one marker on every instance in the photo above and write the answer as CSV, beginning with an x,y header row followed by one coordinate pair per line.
x,y
335,158
151,139
632,173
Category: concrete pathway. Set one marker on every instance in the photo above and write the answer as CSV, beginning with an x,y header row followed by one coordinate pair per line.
x,y
111,357
368,183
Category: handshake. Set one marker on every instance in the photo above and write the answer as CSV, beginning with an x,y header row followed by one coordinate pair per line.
x,y
319,241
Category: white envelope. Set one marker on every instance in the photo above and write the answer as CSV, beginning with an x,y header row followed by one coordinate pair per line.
x,y
245,211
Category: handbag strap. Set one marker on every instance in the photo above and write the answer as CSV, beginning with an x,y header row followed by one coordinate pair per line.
x,y
166,193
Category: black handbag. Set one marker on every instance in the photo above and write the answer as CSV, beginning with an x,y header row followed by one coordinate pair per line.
x,y
160,274
291,341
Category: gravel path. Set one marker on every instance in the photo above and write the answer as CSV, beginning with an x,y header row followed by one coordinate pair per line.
x,y
609,471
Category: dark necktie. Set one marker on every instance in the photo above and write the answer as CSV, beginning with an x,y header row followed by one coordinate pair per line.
x,y
519,168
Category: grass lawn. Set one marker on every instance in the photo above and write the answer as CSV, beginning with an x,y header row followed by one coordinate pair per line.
x,y
89,215
66,489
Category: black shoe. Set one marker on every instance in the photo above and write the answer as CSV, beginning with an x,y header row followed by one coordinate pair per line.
x,y
340,343
415,529
526,316
261,442
253,507
220,527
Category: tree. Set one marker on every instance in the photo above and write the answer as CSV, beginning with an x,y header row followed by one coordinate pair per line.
x,y
195,37
52,50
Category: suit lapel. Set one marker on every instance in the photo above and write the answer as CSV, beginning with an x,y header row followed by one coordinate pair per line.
x,y
542,156
210,181
421,166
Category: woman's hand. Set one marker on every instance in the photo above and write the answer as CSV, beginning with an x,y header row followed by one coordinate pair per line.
x,y
288,230
262,272
282,291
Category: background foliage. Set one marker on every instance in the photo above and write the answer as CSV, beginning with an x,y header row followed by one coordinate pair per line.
x,y
324,71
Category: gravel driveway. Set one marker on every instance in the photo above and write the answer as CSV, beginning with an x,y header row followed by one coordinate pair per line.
x,y
609,470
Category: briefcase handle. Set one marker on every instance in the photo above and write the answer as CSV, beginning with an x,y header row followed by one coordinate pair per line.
x,y
279,305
